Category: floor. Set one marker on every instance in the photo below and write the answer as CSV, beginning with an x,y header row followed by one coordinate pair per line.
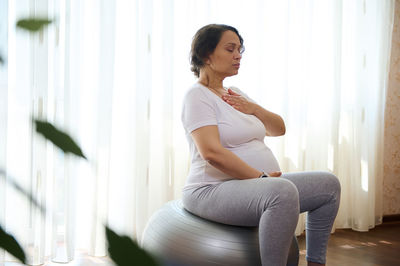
x,y
81,259
378,247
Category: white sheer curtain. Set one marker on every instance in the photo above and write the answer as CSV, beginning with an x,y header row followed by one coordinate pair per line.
x,y
113,74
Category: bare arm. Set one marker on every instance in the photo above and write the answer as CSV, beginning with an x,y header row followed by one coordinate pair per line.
x,y
208,144
273,123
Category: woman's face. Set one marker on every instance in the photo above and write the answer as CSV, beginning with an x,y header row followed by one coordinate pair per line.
x,y
225,60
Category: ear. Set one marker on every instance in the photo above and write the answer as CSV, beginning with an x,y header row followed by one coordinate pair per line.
x,y
207,60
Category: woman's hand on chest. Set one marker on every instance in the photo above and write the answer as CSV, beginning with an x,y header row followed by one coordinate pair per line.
x,y
239,102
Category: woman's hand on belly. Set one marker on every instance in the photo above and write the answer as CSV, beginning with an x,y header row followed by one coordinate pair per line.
x,y
275,174
208,144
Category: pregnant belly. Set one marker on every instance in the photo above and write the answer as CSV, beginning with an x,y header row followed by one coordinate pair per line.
x,y
258,156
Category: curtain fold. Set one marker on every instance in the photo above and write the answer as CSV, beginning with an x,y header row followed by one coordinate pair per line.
x,y
113,75
3,112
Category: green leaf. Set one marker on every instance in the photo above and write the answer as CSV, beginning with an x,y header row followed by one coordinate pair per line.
x,y
11,245
125,252
33,24
17,187
58,138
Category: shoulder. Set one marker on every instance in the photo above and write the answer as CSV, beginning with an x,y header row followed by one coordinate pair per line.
x,y
195,92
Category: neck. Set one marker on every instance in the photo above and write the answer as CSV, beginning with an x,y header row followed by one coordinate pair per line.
x,y
211,80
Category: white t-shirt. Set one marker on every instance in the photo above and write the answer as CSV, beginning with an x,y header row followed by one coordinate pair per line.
x,y
240,133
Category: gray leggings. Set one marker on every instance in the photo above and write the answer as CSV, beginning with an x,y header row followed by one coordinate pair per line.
x,y
274,205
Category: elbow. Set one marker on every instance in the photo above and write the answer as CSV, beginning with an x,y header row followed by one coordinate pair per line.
x,y
279,130
282,131
210,155
277,133
282,128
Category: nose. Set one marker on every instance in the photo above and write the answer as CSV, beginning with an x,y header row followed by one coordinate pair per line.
x,y
237,55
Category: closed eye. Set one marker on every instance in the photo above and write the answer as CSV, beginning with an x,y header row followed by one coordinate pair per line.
x,y
231,49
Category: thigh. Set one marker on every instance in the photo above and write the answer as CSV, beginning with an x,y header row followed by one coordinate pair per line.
x,y
238,202
315,188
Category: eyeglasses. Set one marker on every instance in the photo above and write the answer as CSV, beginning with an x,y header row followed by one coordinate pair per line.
x,y
232,48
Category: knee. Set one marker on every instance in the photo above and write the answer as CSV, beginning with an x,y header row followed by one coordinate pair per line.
x,y
287,196
333,185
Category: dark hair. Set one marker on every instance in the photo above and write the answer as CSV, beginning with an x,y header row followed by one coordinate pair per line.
x,y
204,43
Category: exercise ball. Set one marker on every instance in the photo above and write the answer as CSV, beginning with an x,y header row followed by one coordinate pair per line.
x,y
176,235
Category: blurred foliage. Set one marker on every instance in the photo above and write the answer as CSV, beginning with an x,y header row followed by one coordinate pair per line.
x,y
9,243
11,181
33,24
125,252
122,249
58,138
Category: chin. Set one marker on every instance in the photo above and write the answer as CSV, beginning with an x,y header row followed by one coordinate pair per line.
x,y
234,73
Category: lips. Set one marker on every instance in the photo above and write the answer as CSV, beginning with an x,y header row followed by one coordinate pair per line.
x,y
236,65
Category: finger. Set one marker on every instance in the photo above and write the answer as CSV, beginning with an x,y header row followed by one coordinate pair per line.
x,y
231,101
231,92
275,174
228,97
225,97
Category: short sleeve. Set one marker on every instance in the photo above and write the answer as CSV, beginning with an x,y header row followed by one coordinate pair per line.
x,y
198,111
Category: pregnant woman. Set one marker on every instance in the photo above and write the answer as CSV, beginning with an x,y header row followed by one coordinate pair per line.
x,y
234,178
